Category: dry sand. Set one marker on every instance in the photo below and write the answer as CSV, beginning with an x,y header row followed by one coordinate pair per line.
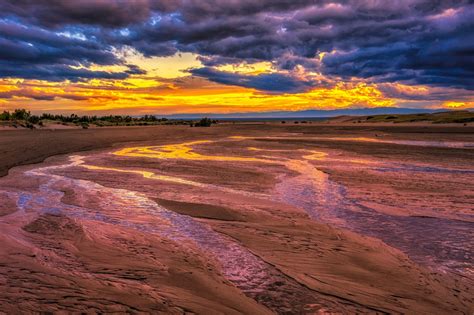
x,y
238,225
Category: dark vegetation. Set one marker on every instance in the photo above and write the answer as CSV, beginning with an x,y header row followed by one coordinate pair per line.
x,y
204,122
23,118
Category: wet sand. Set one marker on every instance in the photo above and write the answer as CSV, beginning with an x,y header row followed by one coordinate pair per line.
x,y
239,218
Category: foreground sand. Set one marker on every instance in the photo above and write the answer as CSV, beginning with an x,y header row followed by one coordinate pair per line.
x,y
123,239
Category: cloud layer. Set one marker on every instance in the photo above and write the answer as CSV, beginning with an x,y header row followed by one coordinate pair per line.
x,y
410,42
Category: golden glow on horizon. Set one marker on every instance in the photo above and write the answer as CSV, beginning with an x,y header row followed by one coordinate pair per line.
x,y
183,95
459,105
168,88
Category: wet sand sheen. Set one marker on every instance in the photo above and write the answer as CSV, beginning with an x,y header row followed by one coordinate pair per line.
x,y
425,143
301,184
434,242
438,243
254,277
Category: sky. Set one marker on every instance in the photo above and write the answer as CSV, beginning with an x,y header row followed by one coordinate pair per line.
x,y
228,56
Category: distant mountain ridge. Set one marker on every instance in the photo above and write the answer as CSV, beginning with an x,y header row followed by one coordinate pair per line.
x,y
314,113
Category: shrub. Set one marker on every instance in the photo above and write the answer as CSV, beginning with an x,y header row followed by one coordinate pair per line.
x,y
5,115
20,114
33,119
204,122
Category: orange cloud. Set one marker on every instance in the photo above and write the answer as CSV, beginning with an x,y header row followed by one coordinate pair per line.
x,y
458,105
180,95
168,88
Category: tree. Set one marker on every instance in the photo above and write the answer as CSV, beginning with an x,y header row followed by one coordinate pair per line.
x,y
33,119
5,115
20,114
204,122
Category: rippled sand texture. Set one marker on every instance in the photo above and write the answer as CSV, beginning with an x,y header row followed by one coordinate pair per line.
x,y
438,242
278,224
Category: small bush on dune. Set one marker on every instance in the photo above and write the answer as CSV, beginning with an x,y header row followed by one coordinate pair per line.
x,y
205,122
34,119
5,115
20,114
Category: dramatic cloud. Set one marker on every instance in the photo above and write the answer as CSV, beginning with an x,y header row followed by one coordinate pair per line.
x,y
439,52
308,43
272,82
55,13
416,42
34,53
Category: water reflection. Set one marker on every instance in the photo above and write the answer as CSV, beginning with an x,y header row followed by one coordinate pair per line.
x,y
134,210
422,143
326,201
79,161
145,174
437,242
433,241
182,151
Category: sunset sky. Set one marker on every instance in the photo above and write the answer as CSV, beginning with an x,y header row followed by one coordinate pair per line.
x,y
223,56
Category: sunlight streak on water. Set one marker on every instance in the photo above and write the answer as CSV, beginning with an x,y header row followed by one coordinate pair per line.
x,y
79,161
145,174
181,151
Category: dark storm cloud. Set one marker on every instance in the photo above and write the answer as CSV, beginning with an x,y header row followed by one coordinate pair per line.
x,y
20,43
31,52
273,82
53,13
439,52
411,41
415,42
54,72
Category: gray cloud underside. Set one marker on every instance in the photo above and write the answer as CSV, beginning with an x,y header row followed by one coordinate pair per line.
x,y
272,82
411,41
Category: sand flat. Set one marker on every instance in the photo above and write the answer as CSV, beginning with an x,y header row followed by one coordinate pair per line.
x,y
241,219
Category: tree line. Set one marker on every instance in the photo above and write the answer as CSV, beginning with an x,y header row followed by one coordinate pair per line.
x,y
22,115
